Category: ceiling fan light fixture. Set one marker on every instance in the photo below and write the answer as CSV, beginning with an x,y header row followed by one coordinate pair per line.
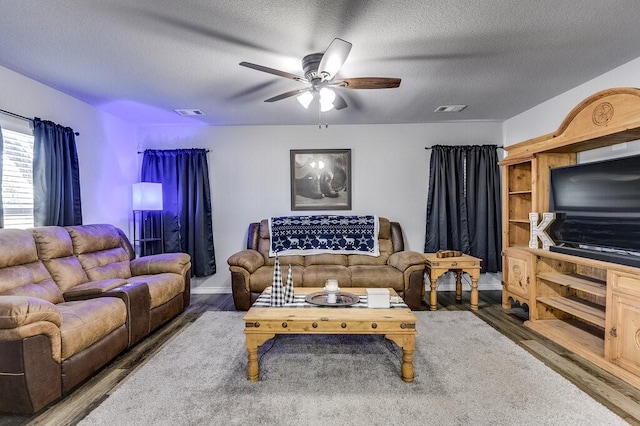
x,y
327,96
305,99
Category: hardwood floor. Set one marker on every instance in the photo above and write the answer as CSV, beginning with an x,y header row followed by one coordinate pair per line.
x,y
614,393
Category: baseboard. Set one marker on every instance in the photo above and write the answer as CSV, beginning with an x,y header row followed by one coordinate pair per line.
x,y
210,290
487,282
467,287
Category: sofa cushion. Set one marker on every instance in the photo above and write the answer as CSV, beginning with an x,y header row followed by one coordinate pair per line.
x,y
327,259
99,251
21,273
31,280
85,322
380,276
386,249
263,248
263,277
316,275
56,253
17,248
162,287
384,228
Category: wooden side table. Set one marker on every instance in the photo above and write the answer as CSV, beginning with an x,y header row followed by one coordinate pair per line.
x,y
436,267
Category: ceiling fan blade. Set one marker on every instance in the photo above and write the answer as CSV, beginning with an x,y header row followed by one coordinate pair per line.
x,y
272,71
368,83
333,58
339,102
287,94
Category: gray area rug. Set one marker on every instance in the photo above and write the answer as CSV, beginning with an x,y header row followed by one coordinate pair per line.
x,y
465,373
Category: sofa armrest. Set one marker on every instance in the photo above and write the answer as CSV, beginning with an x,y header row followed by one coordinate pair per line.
x,y
30,353
18,311
178,263
250,260
22,317
93,288
403,260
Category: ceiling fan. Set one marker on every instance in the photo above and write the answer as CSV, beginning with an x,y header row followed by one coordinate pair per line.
x,y
320,70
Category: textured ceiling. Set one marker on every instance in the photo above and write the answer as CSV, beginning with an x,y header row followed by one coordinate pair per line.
x,y
141,59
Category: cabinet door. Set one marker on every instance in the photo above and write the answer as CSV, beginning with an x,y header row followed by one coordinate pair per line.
x,y
516,277
623,329
624,335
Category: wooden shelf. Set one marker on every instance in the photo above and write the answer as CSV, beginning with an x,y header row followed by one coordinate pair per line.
x,y
519,221
578,308
571,337
576,282
520,192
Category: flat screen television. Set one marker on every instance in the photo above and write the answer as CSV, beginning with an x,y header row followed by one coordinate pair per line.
x,y
597,208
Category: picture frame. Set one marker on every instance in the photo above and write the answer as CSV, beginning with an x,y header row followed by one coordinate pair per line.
x,y
320,179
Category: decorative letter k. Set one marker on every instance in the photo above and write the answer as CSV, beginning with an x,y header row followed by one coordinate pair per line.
x,y
539,230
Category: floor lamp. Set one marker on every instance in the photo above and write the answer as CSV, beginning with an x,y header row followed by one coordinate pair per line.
x,y
146,202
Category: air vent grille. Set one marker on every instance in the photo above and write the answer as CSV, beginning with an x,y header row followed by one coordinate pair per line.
x,y
189,112
450,108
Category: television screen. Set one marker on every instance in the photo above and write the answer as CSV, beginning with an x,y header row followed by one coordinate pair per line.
x,y
608,188
598,210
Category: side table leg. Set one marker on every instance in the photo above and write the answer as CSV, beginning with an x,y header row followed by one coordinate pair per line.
x,y
474,294
458,285
433,294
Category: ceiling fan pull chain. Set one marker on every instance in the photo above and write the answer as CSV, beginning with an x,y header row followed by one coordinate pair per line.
x,y
326,125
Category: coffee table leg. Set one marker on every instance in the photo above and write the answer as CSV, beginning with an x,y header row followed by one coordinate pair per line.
x,y
253,342
408,344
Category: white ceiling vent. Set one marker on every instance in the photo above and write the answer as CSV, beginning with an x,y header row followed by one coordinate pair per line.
x,y
450,108
188,112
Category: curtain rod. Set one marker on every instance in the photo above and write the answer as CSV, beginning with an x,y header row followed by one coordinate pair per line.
x,y
22,117
142,152
430,147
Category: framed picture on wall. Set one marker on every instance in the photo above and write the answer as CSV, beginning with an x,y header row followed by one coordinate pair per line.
x,y
320,179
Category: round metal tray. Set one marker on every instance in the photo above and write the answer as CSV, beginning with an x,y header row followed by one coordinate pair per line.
x,y
342,299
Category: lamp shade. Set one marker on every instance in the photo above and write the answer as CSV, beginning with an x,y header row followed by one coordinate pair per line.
x,y
146,196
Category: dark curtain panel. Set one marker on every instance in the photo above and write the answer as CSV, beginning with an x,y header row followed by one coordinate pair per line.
x,y
184,174
56,175
483,205
1,162
447,227
463,203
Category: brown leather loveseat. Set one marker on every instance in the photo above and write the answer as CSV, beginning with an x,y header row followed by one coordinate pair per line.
x,y
252,269
73,298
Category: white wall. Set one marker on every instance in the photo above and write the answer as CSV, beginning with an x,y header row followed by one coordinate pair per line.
x,y
106,145
547,116
249,172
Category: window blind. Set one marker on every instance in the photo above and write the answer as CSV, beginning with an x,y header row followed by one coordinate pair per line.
x,y
17,179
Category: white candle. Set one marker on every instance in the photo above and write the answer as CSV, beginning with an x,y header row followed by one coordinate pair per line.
x,y
331,285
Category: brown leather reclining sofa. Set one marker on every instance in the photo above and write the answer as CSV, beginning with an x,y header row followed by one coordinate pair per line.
x,y
73,298
252,269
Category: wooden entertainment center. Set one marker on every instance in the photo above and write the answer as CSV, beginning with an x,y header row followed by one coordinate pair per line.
x,y
591,307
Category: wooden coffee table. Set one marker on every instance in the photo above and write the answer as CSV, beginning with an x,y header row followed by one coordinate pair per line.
x,y
395,324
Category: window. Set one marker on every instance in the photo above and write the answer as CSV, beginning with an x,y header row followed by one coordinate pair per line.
x,y
17,179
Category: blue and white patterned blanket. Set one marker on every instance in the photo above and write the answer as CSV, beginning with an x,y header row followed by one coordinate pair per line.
x,y
305,235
